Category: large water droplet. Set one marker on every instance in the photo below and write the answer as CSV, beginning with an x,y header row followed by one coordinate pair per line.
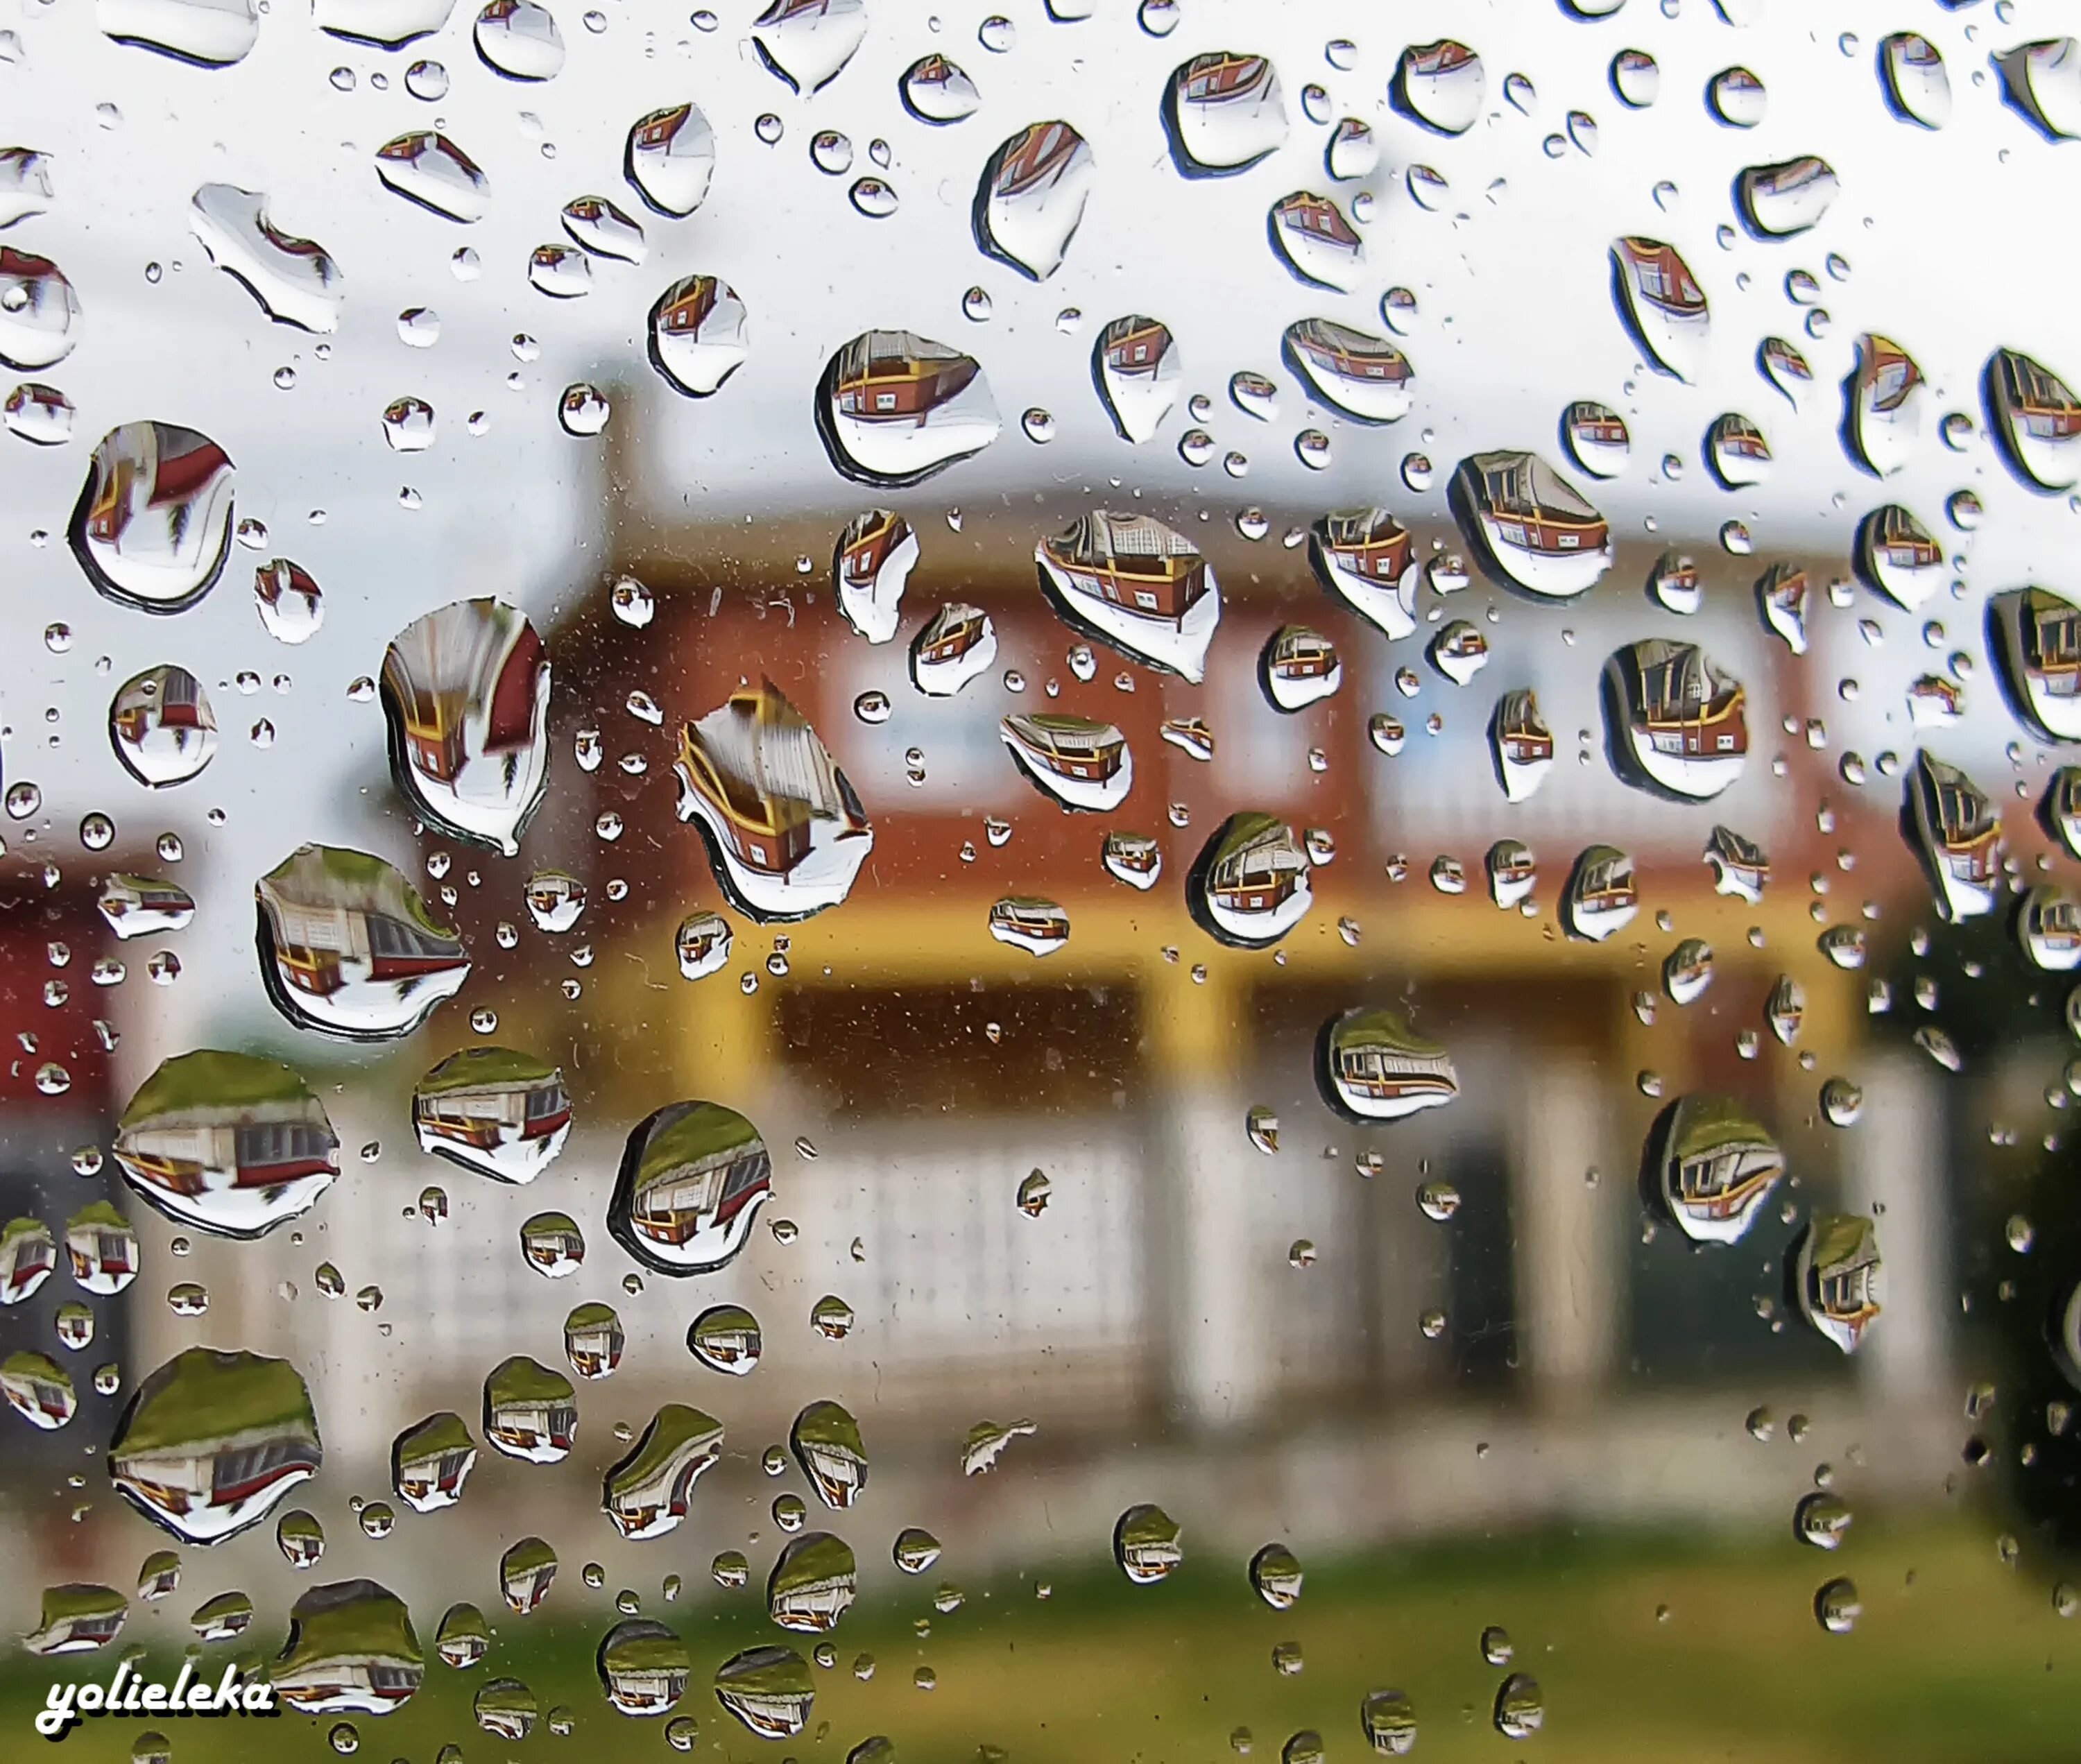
x,y
1320,246
210,35
893,408
1136,583
161,727
1838,1277
1146,1544
826,1443
1224,112
1440,85
768,1689
429,169
645,1495
1663,305
295,280
807,43
154,521
644,1667
1031,197
1539,530
520,40
530,1412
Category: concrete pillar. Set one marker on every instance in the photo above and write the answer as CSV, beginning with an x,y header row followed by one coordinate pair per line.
x,y
1894,1174
1206,1267
1570,1275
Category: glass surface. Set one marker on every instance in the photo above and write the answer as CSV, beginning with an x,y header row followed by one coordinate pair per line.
x,y
1078,881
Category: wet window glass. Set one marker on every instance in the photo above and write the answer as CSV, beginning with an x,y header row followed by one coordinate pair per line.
x,y
1039,880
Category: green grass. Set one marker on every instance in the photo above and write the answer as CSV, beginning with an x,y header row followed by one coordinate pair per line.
x,y
1955,1657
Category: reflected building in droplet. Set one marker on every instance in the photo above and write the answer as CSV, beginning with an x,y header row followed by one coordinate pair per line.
x,y
1031,197
351,1650
1917,88
208,33
1785,368
644,1667
1596,438
2059,809
1897,555
894,408
28,1253
692,1179
466,698
431,1461
76,1618
2035,636
348,947
1081,763
1673,721
1537,529
786,835
1780,200
1513,872
1738,452
601,227
1739,866
161,727
1883,397
1136,365
702,944
807,43
768,1689
1363,557
1388,1720
1318,244
1133,858
1838,1277
1146,1544
1377,1069
593,1340
1297,667
40,313
1600,896
530,1412
295,280
211,1440
430,170
101,1249
726,1338
934,89
1521,744
826,1442
697,334
2041,82
1026,921
2037,418
958,645
227,1142
875,554
1136,583
1224,112
1251,885
813,1582
1957,835
1781,597
1361,374
1663,304
1440,85
645,1495
670,159
500,1113
154,521
1717,1165
2048,927
38,1389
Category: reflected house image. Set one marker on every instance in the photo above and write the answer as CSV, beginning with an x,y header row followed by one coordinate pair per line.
x,y
1041,158
1593,424
2052,644
1068,746
1301,654
1887,375
866,545
488,1108
640,1688
102,1253
1130,561
1432,59
759,766
1341,353
2035,399
1735,438
1222,78
1524,739
1135,852
1606,885
1258,872
948,639
697,1175
1740,863
933,72
336,916
551,1246
1967,834
1899,541
896,377
685,315
1723,1169
1660,276
659,131
1379,1058
368,1682
444,672
1029,922
1367,542
527,1423
160,467
1317,218
147,896
653,1483
1784,363
178,705
434,1474
219,1434
54,1401
2052,922
1135,348
593,1346
1844,1270
76,1619
1531,508
31,1256
1685,708
187,1150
